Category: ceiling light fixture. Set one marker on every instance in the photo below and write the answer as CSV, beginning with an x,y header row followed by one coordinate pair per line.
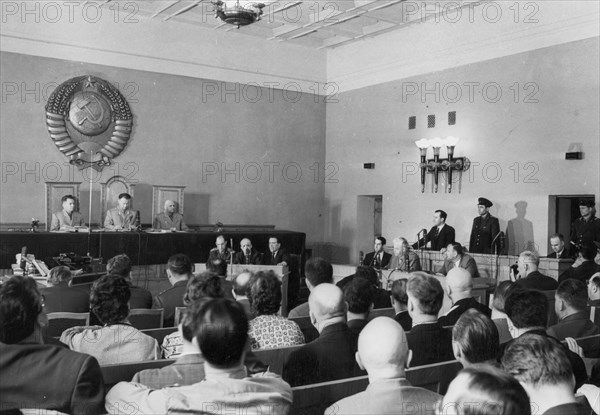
x,y
238,13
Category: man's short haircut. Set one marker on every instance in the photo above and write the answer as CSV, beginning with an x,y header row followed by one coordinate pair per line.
x,y
217,266
20,306
318,271
124,195
502,291
359,294
109,298
274,237
119,265
264,293
67,197
220,237
595,279
204,285
443,214
491,391
558,235
382,239
588,251
221,328
458,248
527,308
574,293
180,264
368,273
399,291
530,257
428,291
59,274
241,289
477,336
537,360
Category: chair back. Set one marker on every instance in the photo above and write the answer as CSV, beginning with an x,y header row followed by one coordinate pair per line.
x,y
179,315
145,318
60,321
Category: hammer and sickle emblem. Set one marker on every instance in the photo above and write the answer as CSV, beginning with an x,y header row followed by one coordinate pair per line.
x,y
83,105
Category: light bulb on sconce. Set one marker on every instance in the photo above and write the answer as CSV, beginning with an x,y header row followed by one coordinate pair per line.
x,y
434,165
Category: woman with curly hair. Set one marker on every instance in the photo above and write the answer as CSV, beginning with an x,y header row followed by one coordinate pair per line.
x,y
117,341
269,330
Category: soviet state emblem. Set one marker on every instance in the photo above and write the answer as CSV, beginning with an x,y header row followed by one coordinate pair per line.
x,y
89,121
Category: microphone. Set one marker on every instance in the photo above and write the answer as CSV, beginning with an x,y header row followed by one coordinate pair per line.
x,y
23,263
494,240
361,257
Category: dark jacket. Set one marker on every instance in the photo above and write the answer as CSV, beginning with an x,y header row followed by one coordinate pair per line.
x,y
255,258
452,316
404,319
537,281
576,325
282,256
385,260
438,240
169,299
430,343
483,232
581,273
62,298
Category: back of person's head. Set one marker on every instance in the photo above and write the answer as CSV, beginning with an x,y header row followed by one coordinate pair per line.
x,y
537,361
399,291
109,298
573,293
20,305
588,252
530,257
318,271
204,285
264,293
527,309
60,275
503,289
180,264
119,265
459,280
368,273
217,266
359,295
476,337
221,328
427,291
240,283
485,390
326,301
383,358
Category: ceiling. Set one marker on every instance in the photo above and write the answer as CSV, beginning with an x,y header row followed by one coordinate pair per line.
x,y
311,23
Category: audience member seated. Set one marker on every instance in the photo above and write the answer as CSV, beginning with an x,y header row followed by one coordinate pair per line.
x,y
121,265
584,267
381,297
559,249
530,277
60,297
503,289
399,300
317,271
179,270
456,258
221,331
37,375
220,268
331,355
204,285
540,364
527,312
117,341
188,367
571,309
248,255
240,291
459,286
485,390
404,259
268,330
475,339
383,353
594,295
359,297
429,341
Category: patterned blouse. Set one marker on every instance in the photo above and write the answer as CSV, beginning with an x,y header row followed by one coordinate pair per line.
x,y
274,331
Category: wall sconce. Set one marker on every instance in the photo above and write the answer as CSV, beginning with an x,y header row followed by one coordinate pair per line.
x,y
436,164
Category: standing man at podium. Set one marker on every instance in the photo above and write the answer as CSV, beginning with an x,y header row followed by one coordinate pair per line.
x,y
378,258
122,217
276,255
485,229
221,252
440,234
248,256
170,219
66,219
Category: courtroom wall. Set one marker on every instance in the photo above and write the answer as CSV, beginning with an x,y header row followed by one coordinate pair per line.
x,y
524,113
247,155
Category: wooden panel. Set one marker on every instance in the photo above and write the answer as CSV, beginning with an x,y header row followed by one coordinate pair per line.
x,y
110,191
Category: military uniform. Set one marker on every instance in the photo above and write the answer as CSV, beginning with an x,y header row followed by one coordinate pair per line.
x,y
224,256
484,230
585,231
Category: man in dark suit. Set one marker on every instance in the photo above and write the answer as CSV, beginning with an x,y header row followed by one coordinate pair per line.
x,y
594,295
358,294
60,297
571,309
248,256
331,355
530,277
378,258
485,229
121,265
559,249
37,375
276,254
584,267
429,341
179,270
440,234
459,286
456,258
400,302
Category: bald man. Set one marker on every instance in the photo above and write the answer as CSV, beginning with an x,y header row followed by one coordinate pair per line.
x,y
240,286
331,355
385,362
248,255
459,286
170,219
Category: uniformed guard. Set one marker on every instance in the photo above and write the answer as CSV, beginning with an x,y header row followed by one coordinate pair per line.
x,y
485,231
585,229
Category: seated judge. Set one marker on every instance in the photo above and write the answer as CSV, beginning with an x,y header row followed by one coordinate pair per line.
x,y
440,234
67,218
378,258
248,256
122,217
559,249
457,258
404,259
170,219
276,254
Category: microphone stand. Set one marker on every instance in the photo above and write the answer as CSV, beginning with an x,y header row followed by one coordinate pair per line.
x,y
496,256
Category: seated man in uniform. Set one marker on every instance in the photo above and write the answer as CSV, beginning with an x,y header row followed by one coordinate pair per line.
x,y
122,217
67,219
170,219
221,252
